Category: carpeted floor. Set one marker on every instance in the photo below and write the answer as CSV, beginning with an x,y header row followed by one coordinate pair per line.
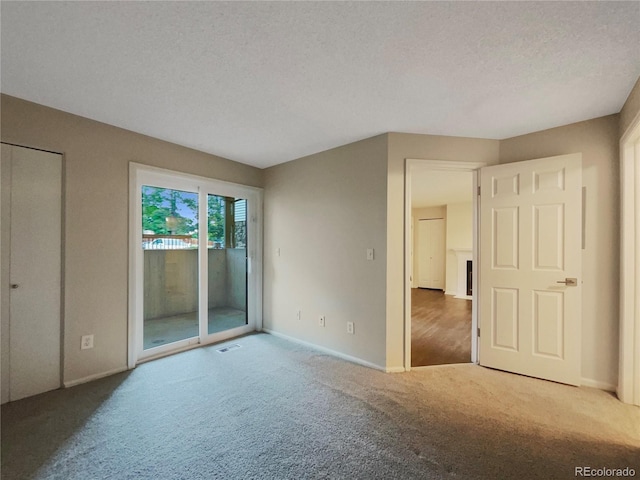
x,y
276,410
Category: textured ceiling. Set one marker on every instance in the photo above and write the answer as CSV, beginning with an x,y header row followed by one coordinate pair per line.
x,y
267,82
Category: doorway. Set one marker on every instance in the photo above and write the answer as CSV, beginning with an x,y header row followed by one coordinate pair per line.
x,y
196,262
31,271
440,315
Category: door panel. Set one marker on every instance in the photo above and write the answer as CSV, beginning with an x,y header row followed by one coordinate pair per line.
x,y
530,238
34,221
505,318
548,324
505,241
431,255
548,237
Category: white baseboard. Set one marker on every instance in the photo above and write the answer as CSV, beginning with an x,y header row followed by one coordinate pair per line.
x,y
78,381
333,353
447,292
587,382
465,297
395,369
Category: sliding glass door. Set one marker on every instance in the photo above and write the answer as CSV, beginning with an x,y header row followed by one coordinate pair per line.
x,y
194,262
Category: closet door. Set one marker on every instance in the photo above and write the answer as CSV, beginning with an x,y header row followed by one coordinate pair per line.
x,y
431,254
31,271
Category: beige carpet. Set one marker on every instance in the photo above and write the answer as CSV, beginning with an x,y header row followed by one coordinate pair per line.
x,y
272,409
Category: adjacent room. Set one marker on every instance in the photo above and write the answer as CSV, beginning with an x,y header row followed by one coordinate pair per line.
x,y
319,239
441,289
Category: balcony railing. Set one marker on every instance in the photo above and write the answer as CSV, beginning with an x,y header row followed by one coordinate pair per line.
x,y
168,242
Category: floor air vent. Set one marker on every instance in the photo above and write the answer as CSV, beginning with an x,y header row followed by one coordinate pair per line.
x,y
228,348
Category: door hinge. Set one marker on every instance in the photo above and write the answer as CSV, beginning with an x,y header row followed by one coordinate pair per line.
x,y
478,331
478,191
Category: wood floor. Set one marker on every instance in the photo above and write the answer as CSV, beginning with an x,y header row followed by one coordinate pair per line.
x,y
440,328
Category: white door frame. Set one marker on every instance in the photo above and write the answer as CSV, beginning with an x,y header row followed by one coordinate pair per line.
x,y
143,174
411,164
629,368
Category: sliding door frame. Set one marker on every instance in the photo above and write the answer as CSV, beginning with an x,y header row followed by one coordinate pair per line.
x,y
140,175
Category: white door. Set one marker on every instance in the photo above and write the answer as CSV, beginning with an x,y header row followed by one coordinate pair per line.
x,y
31,271
530,252
431,254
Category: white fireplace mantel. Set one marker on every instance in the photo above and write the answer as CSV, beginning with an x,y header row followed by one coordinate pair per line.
x,y
463,255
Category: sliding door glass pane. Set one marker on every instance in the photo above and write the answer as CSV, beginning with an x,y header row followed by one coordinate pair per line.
x,y
227,257
170,249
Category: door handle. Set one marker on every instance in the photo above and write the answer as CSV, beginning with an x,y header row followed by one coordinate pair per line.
x,y
569,282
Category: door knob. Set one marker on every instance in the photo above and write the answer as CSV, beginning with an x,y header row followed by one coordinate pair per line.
x,y
14,285
569,282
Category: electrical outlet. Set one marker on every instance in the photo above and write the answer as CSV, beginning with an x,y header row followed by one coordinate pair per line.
x,y
86,342
321,321
350,328
299,315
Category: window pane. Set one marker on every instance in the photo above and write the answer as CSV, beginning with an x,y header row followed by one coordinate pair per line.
x,y
170,249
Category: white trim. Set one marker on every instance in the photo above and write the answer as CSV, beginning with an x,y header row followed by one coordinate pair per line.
x,y
333,353
629,363
475,272
412,165
425,164
95,376
140,174
588,382
135,219
408,262
184,345
395,370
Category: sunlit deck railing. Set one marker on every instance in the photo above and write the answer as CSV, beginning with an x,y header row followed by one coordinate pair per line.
x,y
168,242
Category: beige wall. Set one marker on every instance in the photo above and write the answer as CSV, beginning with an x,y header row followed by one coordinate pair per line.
x,y
459,236
631,108
323,212
96,160
427,147
597,140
